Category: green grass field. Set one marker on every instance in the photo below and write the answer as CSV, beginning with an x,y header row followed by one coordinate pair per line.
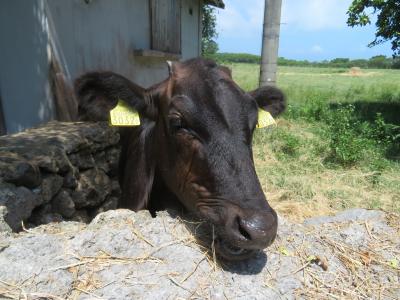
x,y
338,144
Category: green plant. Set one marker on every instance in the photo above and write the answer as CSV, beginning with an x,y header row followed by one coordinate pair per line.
x,y
209,31
284,143
387,20
346,146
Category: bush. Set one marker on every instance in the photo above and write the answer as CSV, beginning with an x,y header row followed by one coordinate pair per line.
x,y
346,146
376,62
313,108
387,136
222,58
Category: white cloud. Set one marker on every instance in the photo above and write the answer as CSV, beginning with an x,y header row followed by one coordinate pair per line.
x,y
240,19
317,49
314,15
245,18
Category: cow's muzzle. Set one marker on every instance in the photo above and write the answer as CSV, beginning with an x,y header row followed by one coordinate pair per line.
x,y
244,232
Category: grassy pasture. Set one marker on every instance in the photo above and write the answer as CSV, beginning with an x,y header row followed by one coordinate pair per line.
x,y
338,144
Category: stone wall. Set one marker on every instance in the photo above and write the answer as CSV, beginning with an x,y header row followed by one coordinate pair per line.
x,y
127,255
59,171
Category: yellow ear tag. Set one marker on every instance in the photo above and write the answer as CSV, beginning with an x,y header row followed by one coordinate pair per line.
x,y
124,115
265,119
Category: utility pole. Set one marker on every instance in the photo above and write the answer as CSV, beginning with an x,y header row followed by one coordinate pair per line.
x,y
270,42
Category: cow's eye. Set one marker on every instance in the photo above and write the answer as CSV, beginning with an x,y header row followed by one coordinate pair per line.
x,y
176,124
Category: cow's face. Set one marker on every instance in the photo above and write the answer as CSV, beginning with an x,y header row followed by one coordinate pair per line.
x,y
205,128
202,125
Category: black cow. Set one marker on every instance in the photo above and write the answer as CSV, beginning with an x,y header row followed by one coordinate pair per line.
x,y
194,146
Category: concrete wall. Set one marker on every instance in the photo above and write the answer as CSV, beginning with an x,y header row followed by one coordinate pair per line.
x,y
87,35
191,31
24,87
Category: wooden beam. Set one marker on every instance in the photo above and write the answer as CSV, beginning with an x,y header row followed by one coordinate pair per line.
x,y
156,53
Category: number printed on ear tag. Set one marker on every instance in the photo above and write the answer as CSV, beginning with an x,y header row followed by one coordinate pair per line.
x,y
265,119
124,115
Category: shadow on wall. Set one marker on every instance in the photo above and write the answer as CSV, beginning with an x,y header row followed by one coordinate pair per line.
x,y
26,94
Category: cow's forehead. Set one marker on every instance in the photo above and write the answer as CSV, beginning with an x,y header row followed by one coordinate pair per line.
x,y
208,96
211,89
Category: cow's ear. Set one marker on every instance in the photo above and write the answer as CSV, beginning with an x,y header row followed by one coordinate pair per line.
x,y
270,98
99,92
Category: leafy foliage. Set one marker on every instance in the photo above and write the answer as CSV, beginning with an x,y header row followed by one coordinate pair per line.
x,y
388,20
351,139
375,62
236,58
345,143
209,33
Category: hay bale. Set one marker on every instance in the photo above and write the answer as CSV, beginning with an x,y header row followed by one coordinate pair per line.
x,y
355,71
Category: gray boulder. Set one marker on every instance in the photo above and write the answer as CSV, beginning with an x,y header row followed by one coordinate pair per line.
x,y
19,202
93,188
127,255
63,204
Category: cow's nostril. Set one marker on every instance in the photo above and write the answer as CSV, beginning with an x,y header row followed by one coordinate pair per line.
x,y
242,230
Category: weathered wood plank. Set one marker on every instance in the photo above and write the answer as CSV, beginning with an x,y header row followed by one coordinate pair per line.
x,y
166,25
156,53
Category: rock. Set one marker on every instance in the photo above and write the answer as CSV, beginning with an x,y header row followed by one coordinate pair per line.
x,y
126,255
110,203
39,215
51,218
82,160
4,227
81,216
19,172
50,186
101,162
355,214
19,202
112,157
45,215
48,146
62,203
93,188
71,180
46,154
57,159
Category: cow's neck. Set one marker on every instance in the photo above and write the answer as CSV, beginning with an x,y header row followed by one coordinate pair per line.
x,y
161,198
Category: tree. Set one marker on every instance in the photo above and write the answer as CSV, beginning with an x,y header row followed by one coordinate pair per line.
x,y
209,32
380,62
387,23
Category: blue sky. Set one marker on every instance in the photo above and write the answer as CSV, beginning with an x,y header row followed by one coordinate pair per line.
x,y
310,29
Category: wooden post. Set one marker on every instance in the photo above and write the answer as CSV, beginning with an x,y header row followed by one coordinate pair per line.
x,y
270,42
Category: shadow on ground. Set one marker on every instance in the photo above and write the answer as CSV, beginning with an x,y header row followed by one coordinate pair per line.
x,y
202,232
367,111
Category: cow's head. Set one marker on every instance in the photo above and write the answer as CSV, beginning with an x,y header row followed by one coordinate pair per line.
x,y
196,135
